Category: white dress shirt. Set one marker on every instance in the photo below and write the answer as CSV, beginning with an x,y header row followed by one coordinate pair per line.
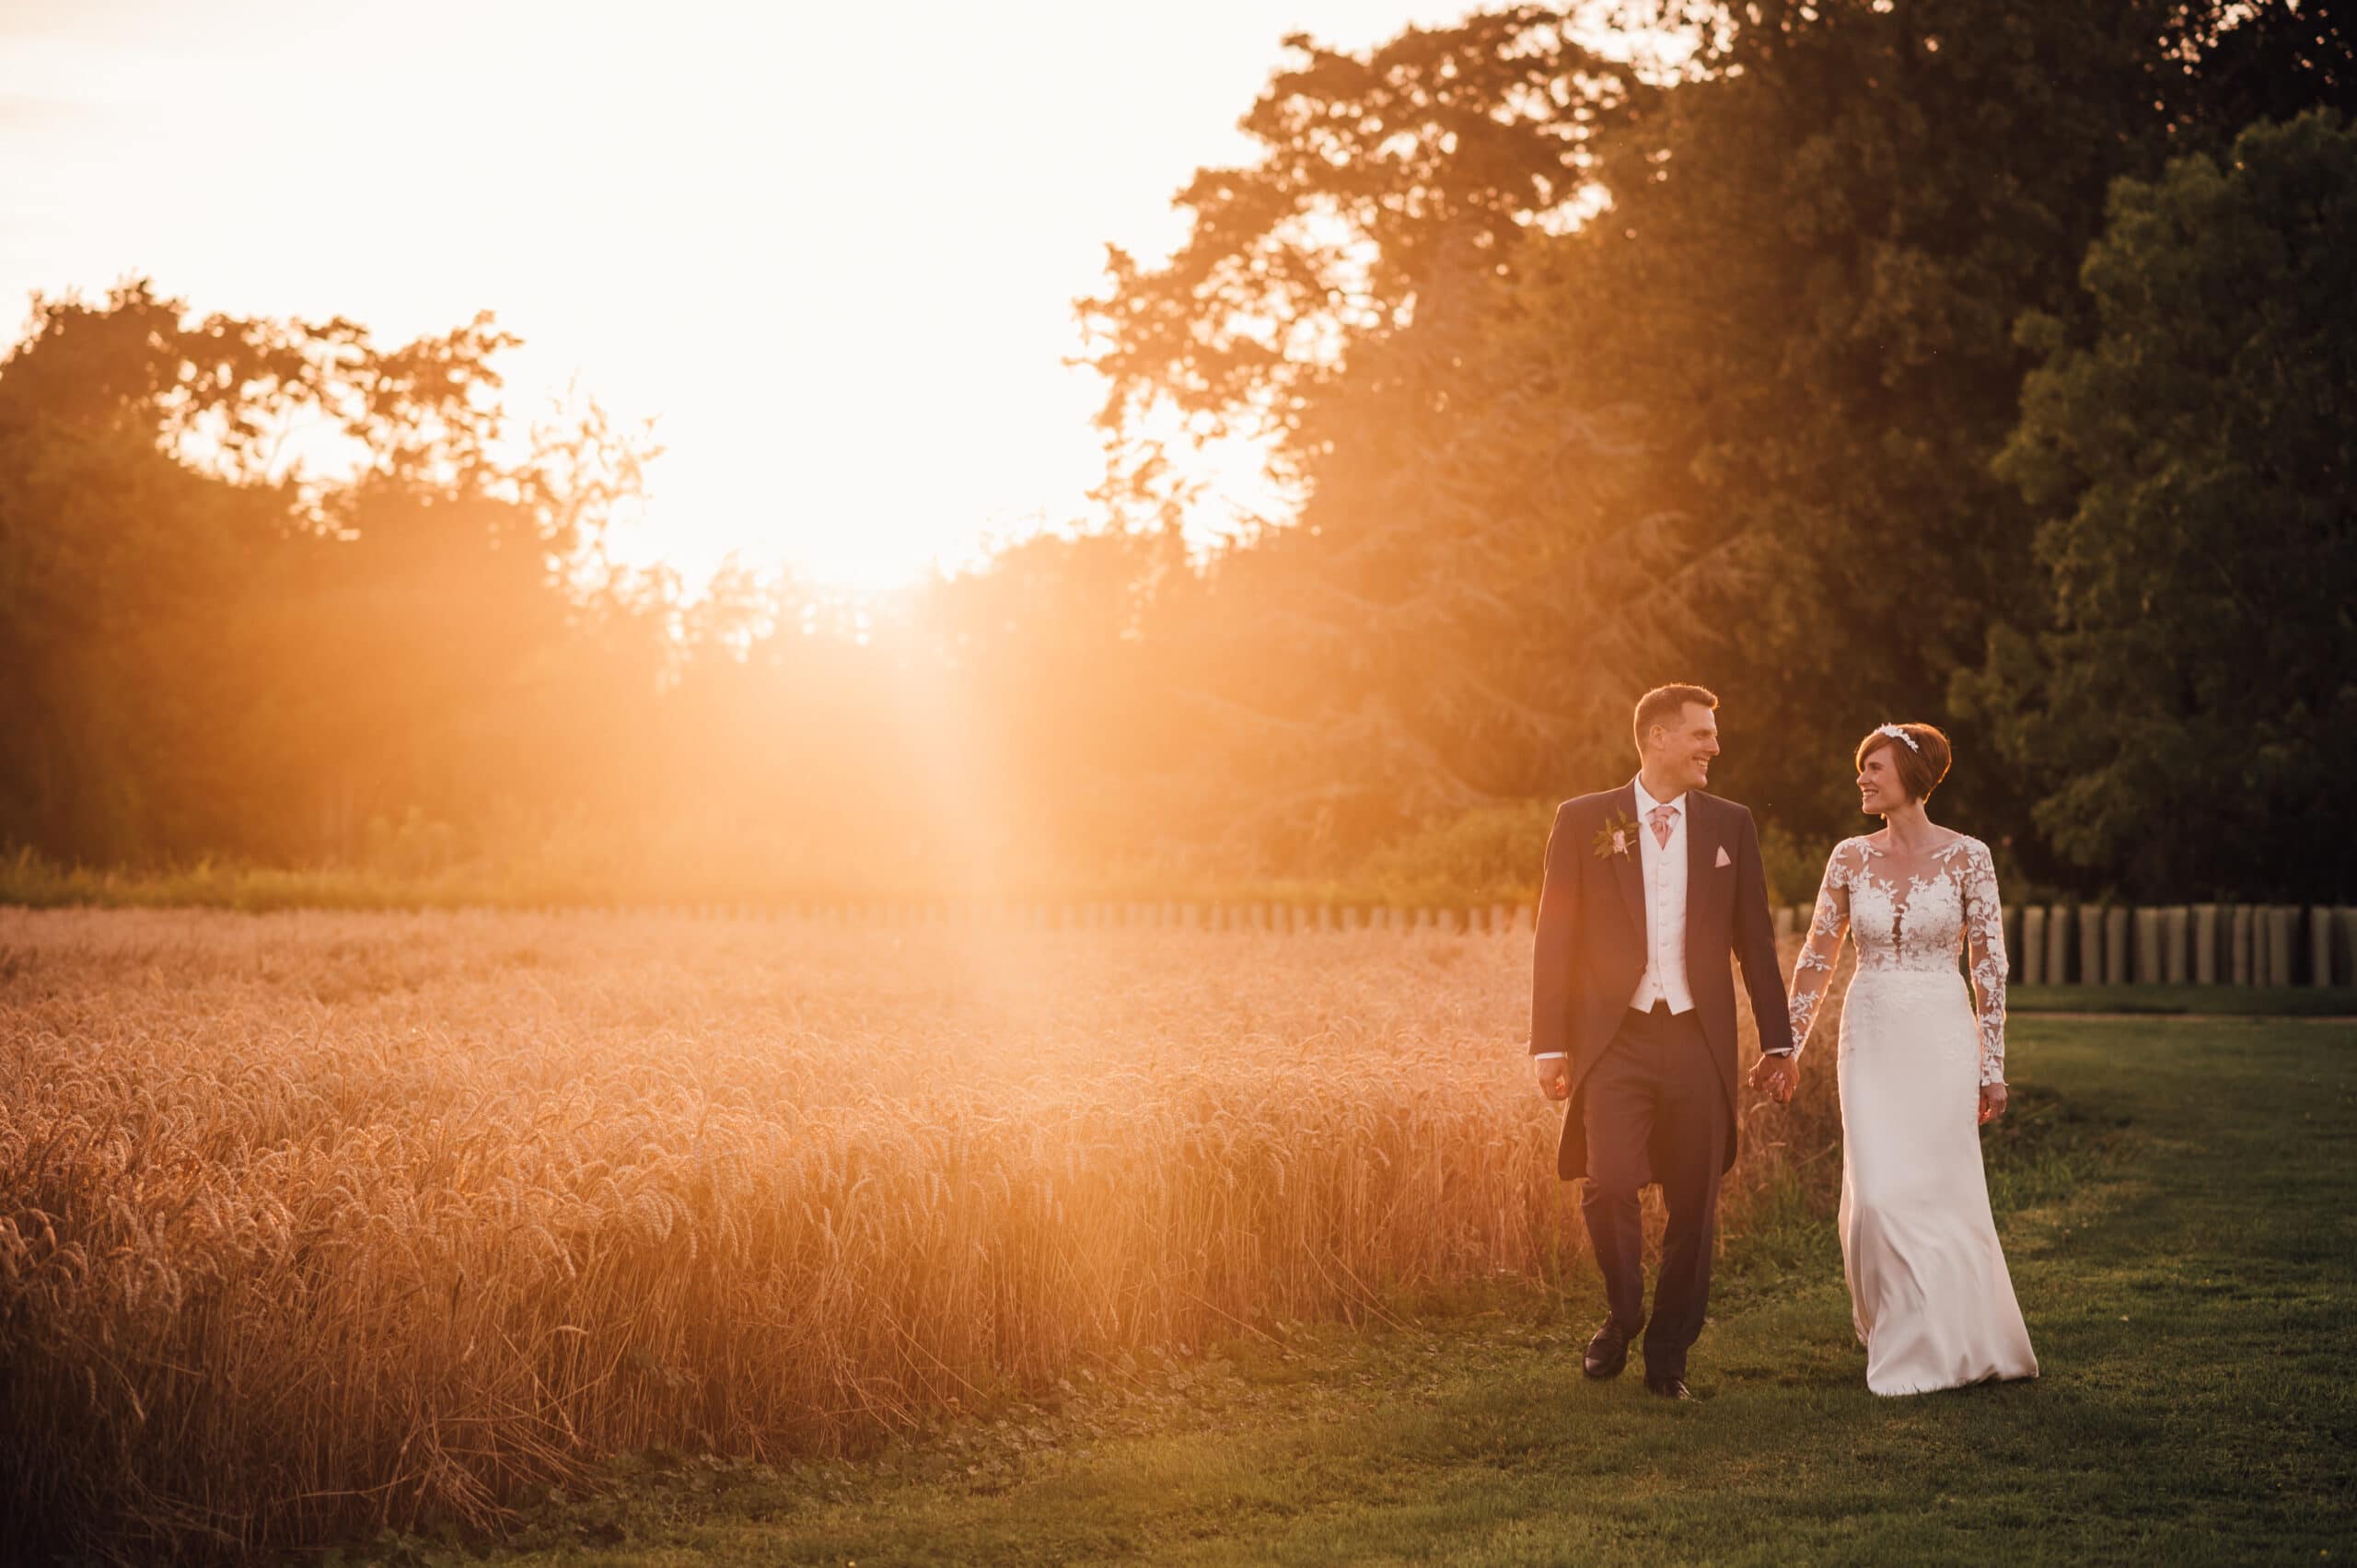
x,y
1661,868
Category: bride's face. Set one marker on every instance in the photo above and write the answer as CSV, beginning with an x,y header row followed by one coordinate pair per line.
x,y
1878,787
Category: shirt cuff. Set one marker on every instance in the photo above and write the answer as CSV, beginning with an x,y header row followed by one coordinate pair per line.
x,y
1544,1055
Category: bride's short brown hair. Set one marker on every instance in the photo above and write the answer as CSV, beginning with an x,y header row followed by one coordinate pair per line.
x,y
1922,766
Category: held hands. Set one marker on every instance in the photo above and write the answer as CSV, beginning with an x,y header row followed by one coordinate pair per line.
x,y
1776,1077
1992,1103
1555,1077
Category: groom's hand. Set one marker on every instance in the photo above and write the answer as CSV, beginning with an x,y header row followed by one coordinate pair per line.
x,y
1776,1076
1555,1077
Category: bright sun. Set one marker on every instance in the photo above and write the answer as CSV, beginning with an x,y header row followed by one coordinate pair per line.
x,y
834,258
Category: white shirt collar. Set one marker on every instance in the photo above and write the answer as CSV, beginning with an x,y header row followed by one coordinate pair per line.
x,y
1645,803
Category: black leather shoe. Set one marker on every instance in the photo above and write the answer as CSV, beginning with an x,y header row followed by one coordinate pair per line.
x,y
1671,1389
1608,1353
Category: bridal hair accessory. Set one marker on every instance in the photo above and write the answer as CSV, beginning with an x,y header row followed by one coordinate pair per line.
x,y
1896,733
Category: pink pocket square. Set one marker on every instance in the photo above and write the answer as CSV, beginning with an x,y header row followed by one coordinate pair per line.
x,y
1723,859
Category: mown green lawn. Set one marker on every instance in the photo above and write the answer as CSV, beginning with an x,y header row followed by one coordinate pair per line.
x,y
2178,1199
2290,1001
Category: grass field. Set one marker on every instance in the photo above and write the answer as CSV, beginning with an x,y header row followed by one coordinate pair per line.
x,y
2176,1205
2199,1001
1050,1246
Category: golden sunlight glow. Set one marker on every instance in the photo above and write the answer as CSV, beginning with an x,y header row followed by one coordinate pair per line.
x,y
836,265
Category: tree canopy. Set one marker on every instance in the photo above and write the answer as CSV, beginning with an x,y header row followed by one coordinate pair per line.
x,y
2184,695
1957,361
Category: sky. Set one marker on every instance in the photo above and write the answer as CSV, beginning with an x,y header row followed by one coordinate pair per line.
x,y
833,250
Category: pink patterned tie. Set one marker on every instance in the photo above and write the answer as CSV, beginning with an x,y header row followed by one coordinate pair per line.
x,y
1661,817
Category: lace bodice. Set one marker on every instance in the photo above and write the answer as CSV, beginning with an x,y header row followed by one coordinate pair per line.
x,y
1915,922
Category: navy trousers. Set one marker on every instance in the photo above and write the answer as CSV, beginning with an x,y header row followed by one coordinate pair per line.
x,y
1655,1113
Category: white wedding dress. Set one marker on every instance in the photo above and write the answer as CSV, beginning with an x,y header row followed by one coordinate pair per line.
x,y
1929,1293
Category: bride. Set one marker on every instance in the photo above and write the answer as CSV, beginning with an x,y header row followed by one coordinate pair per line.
x,y
1929,1293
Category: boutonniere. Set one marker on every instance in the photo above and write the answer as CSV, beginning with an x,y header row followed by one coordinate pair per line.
x,y
1618,836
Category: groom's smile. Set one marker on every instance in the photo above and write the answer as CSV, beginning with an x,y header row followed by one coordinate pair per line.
x,y
1682,751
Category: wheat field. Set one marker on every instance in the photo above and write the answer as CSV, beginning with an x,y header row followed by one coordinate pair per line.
x,y
313,1223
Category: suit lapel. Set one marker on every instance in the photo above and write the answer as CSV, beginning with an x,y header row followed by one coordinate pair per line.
x,y
1628,870
1701,861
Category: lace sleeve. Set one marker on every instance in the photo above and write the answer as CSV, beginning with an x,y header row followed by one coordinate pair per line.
x,y
1984,937
1813,971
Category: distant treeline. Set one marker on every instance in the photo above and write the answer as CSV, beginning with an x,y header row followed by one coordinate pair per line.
x,y
1960,360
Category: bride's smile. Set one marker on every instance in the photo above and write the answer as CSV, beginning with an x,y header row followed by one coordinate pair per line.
x,y
1878,788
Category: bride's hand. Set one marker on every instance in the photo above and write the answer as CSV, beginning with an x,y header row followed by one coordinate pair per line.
x,y
1992,1103
1776,1076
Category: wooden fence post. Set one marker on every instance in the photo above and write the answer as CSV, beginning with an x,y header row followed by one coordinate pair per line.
x,y
2090,945
2033,958
2205,944
2319,945
2177,922
2148,947
2281,920
2057,946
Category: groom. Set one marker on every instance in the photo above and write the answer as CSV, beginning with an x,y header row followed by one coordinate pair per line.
x,y
1648,890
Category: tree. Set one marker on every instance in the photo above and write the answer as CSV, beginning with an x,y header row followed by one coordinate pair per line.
x,y
212,650
1405,650
2185,697
1806,281
1378,171
1736,425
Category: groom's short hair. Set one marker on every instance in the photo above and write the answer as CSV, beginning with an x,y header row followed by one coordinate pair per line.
x,y
1664,704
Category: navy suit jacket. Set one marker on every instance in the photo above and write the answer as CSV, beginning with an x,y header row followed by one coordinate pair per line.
x,y
1590,950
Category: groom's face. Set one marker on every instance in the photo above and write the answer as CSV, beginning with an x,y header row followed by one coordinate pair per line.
x,y
1687,744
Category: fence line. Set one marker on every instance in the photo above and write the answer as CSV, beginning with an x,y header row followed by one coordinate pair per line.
x,y
2279,946
2262,945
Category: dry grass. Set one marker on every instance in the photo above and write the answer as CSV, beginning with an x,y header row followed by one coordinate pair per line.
x,y
311,1222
